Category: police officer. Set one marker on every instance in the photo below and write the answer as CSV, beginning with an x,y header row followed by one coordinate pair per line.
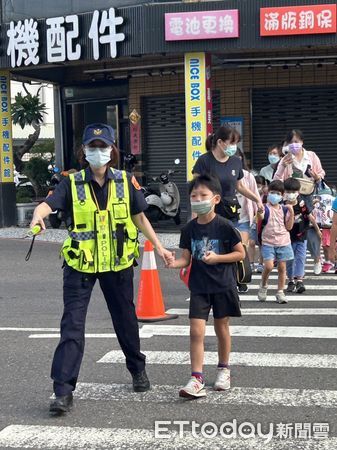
x,y
104,208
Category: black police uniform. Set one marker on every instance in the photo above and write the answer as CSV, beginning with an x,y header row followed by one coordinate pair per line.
x,y
117,288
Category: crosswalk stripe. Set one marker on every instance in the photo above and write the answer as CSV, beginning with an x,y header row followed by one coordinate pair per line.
x,y
236,358
87,336
148,331
245,331
235,396
62,437
308,277
27,329
277,311
316,287
293,298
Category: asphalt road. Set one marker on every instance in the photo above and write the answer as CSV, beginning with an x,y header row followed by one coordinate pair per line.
x,y
284,365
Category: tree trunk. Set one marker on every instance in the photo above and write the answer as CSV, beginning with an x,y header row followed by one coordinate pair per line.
x,y
20,151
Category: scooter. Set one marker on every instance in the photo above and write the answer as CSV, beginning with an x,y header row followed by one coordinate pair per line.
x,y
56,217
165,204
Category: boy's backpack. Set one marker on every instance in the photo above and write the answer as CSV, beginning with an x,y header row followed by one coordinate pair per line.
x,y
261,223
244,269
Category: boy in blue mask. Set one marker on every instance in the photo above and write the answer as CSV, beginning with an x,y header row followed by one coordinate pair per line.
x,y
273,228
213,246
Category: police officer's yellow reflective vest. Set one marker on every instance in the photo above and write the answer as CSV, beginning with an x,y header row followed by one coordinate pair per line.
x,y
101,240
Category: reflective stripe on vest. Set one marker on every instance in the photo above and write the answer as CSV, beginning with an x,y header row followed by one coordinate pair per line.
x,y
105,240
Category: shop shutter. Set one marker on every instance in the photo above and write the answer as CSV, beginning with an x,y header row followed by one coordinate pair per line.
x,y
313,110
164,137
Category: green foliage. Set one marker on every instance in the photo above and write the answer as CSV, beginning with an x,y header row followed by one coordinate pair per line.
x,y
23,195
36,169
27,110
45,147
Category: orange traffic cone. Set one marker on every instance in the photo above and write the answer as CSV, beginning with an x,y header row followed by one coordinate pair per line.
x,y
150,305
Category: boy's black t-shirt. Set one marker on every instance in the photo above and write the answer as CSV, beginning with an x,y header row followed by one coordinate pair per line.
x,y
218,236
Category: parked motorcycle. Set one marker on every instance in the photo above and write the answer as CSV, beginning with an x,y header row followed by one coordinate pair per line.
x,y
163,204
56,217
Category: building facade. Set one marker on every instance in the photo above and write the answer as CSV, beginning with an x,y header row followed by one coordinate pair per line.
x,y
274,68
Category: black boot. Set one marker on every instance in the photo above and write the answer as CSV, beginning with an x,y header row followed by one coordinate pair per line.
x,y
140,381
60,405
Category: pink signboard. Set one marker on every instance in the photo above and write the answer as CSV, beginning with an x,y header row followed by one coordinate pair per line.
x,y
202,25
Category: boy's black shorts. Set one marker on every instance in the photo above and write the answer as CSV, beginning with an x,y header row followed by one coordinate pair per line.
x,y
224,304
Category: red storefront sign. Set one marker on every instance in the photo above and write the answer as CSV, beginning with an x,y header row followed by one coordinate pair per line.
x,y
289,20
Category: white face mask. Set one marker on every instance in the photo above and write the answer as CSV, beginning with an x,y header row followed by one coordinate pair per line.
x,y
96,156
290,196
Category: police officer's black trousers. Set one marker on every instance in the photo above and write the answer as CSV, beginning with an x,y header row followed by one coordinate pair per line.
x,y
117,288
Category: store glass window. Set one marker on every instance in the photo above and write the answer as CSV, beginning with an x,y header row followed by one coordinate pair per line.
x,y
23,9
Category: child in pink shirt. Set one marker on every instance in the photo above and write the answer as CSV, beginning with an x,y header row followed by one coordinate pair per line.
x,y
274,227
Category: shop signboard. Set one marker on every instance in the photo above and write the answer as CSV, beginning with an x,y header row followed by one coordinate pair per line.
x,y
236,123
135,137
290,20
198,106
6,146
194,25
25,38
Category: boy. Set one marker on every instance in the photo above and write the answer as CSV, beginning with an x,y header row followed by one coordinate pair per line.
x,y
298,235
274,226
214,246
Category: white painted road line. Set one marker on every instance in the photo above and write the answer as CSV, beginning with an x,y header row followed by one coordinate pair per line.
x,y
235,396
309,287
28,329
277,311
308,276
292,298
245,331
60,437
87,336
236,359
148,331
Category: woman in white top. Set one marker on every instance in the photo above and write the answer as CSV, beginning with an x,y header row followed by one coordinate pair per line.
x,y
274,156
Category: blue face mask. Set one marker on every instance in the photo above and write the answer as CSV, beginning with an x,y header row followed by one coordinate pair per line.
x,y
96,156
230,150
273,159
274,199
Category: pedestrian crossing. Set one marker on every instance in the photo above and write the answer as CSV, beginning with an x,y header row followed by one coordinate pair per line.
x,y
166,348
53,437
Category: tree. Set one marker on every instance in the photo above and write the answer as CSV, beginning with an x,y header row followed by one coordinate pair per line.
x,y
27,110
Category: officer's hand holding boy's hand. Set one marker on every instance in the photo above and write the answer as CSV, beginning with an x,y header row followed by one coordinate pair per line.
x,y
165,254
210,258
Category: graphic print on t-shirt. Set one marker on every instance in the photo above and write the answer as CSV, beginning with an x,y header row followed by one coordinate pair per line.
x,y
201,247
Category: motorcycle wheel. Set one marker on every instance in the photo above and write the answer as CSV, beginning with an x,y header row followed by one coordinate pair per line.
x,y
177,219
54,221
152,213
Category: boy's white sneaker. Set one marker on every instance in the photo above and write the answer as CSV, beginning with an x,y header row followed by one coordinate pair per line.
x,y
262,294
318,268
223,379
193,389
281,297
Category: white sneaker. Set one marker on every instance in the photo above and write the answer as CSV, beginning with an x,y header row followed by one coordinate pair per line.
x,y
262,294
193,389
223,379
281,297
318,268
